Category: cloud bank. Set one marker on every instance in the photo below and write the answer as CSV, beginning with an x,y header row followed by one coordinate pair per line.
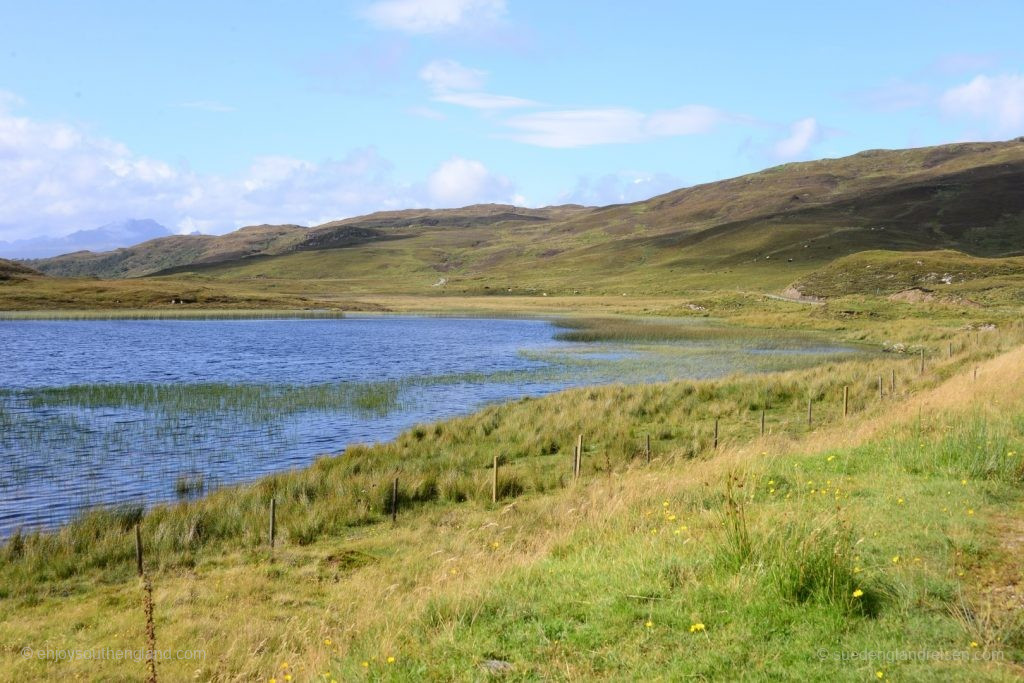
x,y
56,178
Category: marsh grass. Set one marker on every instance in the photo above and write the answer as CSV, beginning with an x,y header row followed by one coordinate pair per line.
x,y
254,402
619,329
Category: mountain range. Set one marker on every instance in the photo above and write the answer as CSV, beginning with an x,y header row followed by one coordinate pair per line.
x,y
106,237
763,229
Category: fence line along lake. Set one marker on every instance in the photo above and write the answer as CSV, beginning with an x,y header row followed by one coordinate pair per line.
x,y
144,411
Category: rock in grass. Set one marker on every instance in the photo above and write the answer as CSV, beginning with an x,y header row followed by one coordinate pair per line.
x,y
497,667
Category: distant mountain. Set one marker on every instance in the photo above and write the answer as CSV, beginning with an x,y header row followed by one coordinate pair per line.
x,y
104,238
764,229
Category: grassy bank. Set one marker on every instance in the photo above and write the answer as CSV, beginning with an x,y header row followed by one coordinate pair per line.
x,y
886,531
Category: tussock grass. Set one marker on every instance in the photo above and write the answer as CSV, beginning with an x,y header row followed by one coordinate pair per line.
x,y
645,330
256,402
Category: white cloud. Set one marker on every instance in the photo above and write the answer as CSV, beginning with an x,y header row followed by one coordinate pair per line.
x,y
802,134
689,120
56,179
447,74
578,127
453,83
995,100
435,16
479,100
458,182
602,126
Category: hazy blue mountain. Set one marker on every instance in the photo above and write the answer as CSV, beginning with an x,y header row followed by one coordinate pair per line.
x,y
104,238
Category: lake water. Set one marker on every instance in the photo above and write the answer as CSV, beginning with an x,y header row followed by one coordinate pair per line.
x,y
269,395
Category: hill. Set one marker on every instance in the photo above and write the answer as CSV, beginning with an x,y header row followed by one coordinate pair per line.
x,y
173,251
11,270
927,276
768,228
170,254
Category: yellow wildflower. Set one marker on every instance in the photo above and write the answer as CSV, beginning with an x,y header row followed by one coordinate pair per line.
x,y
694,628
857,593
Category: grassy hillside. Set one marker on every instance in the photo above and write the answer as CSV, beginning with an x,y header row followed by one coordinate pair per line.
x,y
170,252
761,231
938,275
895,529
10,270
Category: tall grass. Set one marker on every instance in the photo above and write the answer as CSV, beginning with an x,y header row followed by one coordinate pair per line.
x,y
443,463
255,402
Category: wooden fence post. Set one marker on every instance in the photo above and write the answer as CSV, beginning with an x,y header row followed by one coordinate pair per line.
x,y
949,350
273,520
716,432
846,401
579,456
394,500
892,382
922,361
138,549
647,449
494,481
762,421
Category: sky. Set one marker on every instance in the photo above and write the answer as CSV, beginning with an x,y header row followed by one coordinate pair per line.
x,y
210,116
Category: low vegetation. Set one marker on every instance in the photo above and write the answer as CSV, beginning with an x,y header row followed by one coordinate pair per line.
x,y
885,531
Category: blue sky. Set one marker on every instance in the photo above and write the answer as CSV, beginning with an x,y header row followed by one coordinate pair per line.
x,y
210,116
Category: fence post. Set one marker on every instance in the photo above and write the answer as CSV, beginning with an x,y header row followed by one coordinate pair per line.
x,y
846,401
494,481
922,360
647,450
716,432
892,382
394,500
273,521
138,549
762,421
949,350
579,458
